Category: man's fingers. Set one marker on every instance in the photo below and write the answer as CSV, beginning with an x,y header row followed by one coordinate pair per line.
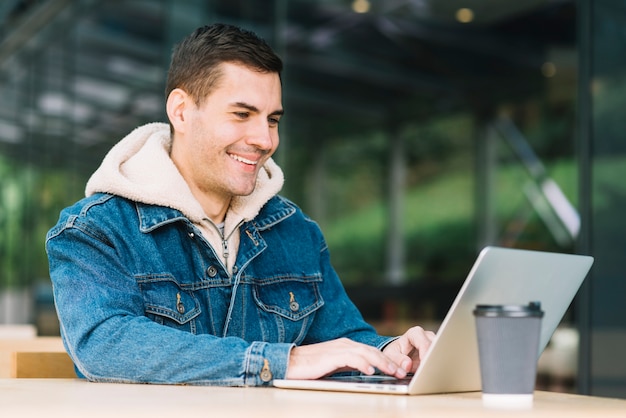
x,y
364,358
317,360
398,358
410,348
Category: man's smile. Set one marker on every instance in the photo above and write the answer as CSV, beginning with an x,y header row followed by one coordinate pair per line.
x,y
242,159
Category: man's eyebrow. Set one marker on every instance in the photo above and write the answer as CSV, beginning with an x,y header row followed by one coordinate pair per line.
x,y
254,109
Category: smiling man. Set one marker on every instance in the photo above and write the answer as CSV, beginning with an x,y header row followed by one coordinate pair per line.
x,y
223,140
183,264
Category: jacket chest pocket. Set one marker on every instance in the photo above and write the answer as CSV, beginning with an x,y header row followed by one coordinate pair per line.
x,y
290,303
166,303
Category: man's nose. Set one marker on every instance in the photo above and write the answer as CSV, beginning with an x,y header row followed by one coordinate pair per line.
x,y
262,136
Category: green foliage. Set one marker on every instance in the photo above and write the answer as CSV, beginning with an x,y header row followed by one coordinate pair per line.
x,y
30,201
440,226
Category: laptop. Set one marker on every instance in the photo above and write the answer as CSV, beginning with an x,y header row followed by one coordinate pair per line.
x,y
499,276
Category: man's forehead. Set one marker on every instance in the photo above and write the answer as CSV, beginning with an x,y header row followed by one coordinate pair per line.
x,y
247,88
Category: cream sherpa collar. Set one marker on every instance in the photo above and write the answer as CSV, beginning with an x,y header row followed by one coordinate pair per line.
x,y
139,168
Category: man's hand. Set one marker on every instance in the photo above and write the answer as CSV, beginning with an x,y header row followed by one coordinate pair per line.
x,y
397,358
317,360
408,350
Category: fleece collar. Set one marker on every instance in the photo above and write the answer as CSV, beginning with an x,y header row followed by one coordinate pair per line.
x,y
139,168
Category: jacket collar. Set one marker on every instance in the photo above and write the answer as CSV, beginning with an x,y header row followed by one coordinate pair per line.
x,y
152,217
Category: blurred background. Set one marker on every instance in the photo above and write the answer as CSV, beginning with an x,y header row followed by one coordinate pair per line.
x,y
416,133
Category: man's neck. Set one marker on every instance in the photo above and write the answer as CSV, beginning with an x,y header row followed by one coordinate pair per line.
x,y
215,209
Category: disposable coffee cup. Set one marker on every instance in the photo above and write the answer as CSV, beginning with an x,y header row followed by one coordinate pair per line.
x,y
508,347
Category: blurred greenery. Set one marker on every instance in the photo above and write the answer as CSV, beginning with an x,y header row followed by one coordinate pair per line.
x,y
30,201
439,226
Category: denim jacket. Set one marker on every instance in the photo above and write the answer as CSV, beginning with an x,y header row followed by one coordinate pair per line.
x,y
142,296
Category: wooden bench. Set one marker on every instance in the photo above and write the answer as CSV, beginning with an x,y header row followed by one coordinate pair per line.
x,y
39,357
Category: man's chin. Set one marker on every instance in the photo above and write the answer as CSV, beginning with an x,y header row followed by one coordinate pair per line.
x,y
244,188
244,192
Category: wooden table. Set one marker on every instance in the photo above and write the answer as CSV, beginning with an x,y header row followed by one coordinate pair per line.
x,y
69,398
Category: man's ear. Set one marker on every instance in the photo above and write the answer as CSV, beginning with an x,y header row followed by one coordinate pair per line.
x,y
176,105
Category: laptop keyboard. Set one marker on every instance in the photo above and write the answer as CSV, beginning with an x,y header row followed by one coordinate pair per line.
x,y
377,378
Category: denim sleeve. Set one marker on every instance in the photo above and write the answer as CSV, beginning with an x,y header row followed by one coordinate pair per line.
x,y
110,339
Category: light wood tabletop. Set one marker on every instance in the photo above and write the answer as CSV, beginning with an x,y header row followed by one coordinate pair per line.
x,y
70,398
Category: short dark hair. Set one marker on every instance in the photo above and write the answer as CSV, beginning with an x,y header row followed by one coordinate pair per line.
x,y
195,63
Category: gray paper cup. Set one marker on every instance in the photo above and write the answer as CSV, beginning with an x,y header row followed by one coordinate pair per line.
x,y
508,345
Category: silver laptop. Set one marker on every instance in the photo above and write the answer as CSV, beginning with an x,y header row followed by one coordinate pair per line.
x,y
499,276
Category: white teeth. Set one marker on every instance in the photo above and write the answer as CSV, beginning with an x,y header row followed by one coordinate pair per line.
x,y
241,159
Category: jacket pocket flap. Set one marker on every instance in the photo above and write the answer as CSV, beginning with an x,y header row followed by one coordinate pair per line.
x,y
292,298
166,298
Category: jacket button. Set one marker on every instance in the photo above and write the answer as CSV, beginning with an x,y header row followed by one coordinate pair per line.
x,y
293,304
179,305
211,271
266,373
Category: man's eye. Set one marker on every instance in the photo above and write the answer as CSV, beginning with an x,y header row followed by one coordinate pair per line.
x,y
273,121
241,115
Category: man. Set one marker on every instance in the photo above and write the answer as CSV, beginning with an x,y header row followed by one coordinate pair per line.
x,y
184,265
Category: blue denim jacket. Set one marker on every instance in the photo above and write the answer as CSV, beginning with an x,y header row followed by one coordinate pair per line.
x,y
142,297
